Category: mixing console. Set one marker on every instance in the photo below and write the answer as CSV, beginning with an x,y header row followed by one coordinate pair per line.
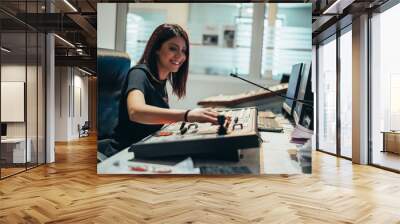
x,y
237,129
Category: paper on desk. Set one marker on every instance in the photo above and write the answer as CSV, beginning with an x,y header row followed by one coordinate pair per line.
x,y
185,164
300,132
184,167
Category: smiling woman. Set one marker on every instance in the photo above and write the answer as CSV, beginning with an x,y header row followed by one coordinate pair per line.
x,y
144,107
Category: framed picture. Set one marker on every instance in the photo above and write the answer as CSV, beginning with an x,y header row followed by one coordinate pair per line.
x,y
229,37
210,35
210,39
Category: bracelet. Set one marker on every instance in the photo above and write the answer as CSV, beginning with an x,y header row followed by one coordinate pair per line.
x,y
186,116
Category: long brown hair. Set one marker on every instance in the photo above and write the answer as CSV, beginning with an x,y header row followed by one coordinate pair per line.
x,y
160,35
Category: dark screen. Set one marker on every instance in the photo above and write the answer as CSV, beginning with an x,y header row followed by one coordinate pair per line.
x,y
3,129
293,88
305,93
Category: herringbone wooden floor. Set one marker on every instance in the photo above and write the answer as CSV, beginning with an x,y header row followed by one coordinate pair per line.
x,y
70,191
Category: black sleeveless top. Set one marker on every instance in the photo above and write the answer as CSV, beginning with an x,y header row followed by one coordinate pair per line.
x,y
128,132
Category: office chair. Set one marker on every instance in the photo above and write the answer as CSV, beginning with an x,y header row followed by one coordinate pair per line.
x,y
83,130
112,69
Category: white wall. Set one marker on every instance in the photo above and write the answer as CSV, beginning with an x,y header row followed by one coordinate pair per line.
x,y
67,81
106,25
171,9
61,103
80,83
14,73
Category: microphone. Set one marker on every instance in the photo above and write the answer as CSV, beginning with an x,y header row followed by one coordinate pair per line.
x,y
304,102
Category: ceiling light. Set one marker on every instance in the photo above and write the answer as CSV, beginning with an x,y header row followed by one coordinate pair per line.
x,y
86,72
70,5
337,7
5,50
65,41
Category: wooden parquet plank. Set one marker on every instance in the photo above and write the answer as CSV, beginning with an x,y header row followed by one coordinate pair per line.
x,y
70,191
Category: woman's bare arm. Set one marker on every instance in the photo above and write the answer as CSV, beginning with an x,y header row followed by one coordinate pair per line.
x,y
140,112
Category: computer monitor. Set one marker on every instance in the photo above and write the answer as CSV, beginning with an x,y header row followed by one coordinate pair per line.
x,y
285,78
293,87
303,113
3,129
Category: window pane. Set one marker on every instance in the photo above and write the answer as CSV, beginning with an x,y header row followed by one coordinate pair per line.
x,y
287,39
385,84
346,94
327,97
140,24
220,36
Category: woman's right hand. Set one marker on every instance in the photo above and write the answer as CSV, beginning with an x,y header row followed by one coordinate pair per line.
x,y
203,115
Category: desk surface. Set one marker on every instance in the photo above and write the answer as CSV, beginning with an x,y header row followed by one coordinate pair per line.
x,y
280,155
13,140
276,155
121,162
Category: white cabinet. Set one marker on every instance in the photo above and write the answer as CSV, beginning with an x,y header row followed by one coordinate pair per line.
x,y
13,150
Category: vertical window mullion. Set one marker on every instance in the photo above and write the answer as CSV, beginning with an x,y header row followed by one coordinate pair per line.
x,y
26,86
257,40
317,97
338,73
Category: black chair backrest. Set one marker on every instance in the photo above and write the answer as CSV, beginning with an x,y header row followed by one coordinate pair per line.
x,y
86,125
112,69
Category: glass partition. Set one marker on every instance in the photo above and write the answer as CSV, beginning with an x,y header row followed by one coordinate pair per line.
x,y
22,88
346,94
327,96
385,89
13,94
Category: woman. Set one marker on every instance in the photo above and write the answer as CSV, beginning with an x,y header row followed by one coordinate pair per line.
x,y
144,101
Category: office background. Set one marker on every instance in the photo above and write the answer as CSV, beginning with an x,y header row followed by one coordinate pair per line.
x,y
47,79
285,38
339,190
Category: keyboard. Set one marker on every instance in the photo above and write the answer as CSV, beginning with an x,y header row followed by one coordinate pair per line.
x,y
224,170
267,122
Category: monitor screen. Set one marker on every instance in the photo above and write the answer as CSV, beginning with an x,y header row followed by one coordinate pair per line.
x,y
293,88
304,113
285,78
3,129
